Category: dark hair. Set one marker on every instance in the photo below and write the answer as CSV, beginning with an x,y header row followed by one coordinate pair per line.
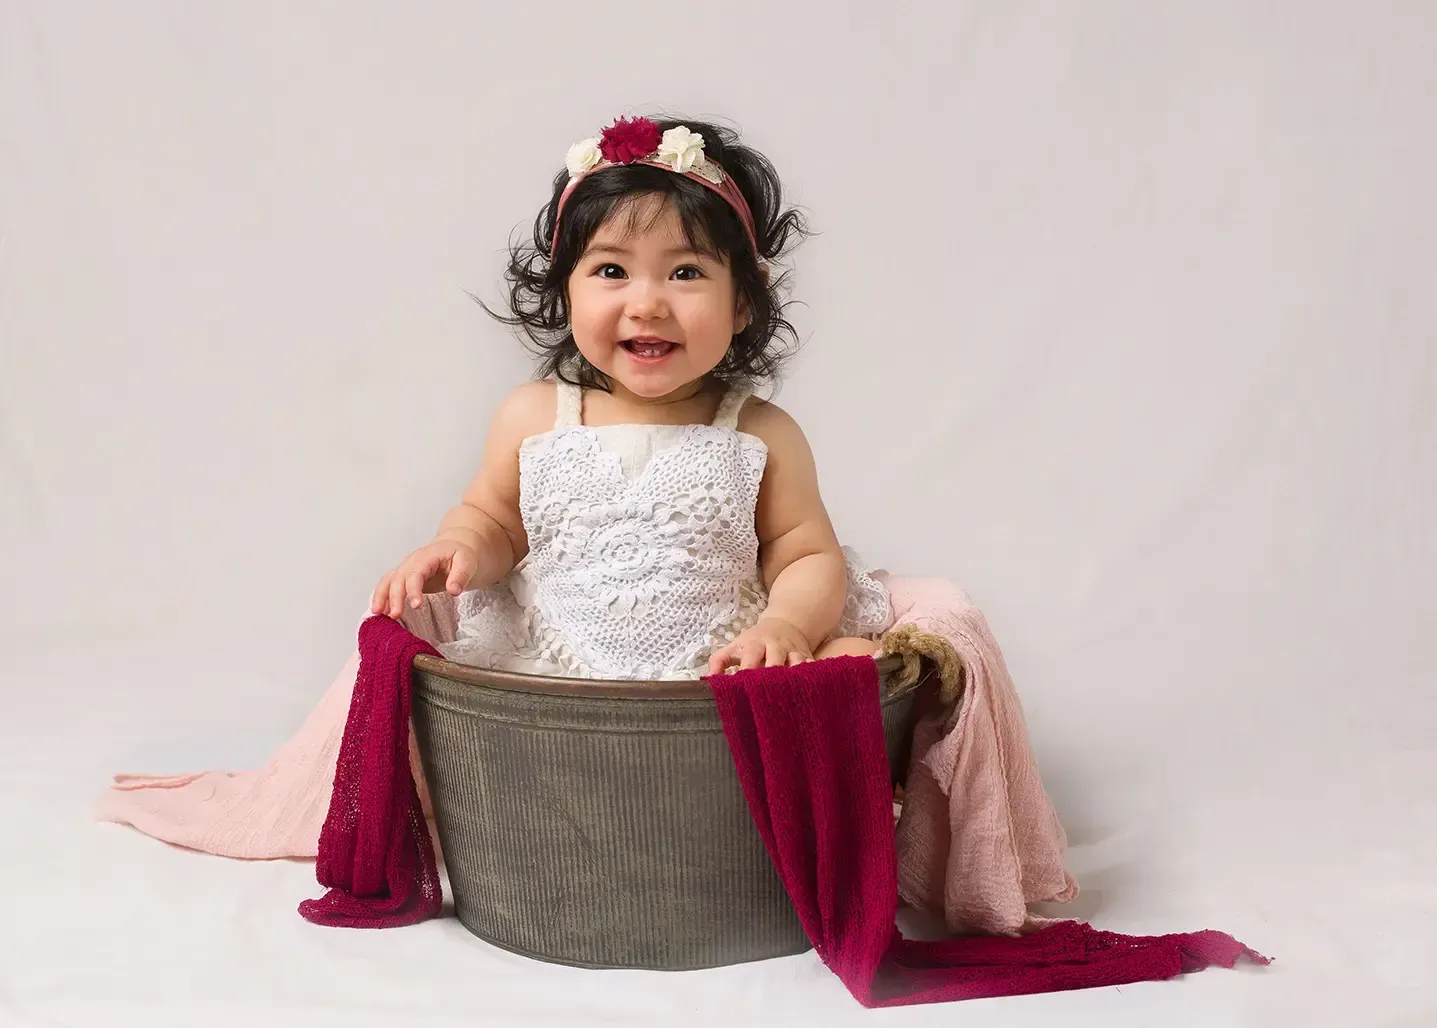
x,y
538,279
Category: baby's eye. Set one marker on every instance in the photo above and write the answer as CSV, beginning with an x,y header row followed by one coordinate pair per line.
x,y
612,271
688,273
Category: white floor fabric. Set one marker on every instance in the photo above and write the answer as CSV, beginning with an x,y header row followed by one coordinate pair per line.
x,y
1331,872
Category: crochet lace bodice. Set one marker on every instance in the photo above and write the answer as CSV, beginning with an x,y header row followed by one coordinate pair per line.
x,y
643,554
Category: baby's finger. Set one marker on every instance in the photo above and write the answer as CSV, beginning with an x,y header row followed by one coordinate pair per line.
x,y
414,584
751,655
380,597
796,657
720,660
773,655
461,570
396,593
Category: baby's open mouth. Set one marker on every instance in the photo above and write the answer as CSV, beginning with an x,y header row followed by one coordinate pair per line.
x,y
649,348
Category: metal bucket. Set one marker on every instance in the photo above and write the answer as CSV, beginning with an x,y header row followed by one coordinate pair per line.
x,y
601,824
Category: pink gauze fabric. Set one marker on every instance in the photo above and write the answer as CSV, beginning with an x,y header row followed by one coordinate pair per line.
x,y
807,745
977,841
275,811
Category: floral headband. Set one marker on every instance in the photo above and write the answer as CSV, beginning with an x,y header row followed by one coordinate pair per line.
x,y
639,141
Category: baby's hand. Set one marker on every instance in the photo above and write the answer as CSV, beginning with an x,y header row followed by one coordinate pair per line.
x,y
444,563
770,643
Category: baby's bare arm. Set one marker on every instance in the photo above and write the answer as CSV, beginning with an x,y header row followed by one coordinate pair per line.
x,y
487,516
799,555
481,539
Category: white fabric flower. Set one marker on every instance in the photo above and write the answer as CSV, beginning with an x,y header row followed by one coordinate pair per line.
x,y
582,156
681,149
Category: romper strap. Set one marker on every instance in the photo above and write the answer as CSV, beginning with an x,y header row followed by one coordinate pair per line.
x,y
729,407
569,408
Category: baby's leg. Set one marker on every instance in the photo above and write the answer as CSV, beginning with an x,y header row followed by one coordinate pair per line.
x,y
850,646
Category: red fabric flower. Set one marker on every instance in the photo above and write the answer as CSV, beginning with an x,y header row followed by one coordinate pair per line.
x,y
629,139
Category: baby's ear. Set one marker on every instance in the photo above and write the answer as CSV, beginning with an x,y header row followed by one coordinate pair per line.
x,y
744,314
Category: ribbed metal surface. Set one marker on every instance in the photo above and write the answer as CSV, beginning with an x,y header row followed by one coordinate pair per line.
x,y
599,831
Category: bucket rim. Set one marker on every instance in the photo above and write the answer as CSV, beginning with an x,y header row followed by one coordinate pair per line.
x,y
604,688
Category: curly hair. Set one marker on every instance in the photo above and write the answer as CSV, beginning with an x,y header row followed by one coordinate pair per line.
x,y
538,301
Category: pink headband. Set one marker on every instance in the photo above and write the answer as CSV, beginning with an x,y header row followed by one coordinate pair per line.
x,y
639,141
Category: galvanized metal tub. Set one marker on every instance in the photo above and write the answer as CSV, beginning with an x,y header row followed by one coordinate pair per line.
x,y
601,824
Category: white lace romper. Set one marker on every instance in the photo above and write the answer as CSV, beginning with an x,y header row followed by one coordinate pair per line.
x,y
643,557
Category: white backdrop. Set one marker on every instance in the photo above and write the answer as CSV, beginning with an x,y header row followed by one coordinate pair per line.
x,y
1121,315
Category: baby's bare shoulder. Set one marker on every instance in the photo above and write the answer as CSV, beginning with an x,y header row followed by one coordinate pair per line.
x,y
528,410
774,425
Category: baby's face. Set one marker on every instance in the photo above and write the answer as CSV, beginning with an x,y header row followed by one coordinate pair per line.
x,y
647,311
